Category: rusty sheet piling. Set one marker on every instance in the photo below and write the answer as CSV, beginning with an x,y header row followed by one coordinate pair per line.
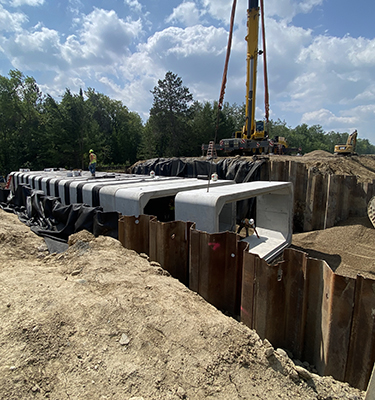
x,y
299,304
216,268
361,353
326,319
273,300
169,245
133,232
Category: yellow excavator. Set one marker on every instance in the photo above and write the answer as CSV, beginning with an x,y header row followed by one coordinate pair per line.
x,y
347,149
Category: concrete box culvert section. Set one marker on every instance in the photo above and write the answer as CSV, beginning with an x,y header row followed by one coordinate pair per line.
x,y
215,211
128,194
213,208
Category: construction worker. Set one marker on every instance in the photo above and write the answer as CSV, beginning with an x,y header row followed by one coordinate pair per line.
x,y
248,224
92,164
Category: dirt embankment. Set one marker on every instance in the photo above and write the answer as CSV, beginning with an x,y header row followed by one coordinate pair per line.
x,y
101,322
347,248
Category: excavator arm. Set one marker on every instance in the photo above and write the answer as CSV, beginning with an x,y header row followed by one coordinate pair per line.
x,y
352,140
349,147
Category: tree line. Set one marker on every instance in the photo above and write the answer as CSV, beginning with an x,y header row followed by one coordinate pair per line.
x,y
38,132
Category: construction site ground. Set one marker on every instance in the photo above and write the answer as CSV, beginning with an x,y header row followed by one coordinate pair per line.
x,y
102,322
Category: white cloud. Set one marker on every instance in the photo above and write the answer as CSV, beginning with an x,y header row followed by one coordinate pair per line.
x,y
134,4
312,78
282,9
11,22
101,43
328,119
221,9
105,34
33,3
360,117
195,53
288,9
36,50
186,13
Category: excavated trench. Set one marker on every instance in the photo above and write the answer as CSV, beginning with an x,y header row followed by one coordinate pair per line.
x,y
275,300
327,189
301,303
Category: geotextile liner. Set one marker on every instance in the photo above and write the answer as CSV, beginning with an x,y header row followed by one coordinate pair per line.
x,y
55,222
229,169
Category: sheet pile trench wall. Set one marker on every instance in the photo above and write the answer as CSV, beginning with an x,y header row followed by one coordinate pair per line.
x,y
299,304
320,201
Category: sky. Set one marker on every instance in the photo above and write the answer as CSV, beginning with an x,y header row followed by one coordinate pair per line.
x,y
320,53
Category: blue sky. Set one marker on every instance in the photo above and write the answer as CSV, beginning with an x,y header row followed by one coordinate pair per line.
x,y
321,53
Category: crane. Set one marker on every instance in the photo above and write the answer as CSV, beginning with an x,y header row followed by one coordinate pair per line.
x,y
253,137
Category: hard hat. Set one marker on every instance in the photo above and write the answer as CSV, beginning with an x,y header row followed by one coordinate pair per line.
x,y
91,151
214,177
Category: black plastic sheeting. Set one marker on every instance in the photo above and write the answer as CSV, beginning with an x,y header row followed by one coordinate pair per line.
x,y
47,217
233,169
228,168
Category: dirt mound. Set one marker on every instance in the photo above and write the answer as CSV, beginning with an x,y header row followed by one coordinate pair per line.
x,y
317,154
100,322
347,248
322,162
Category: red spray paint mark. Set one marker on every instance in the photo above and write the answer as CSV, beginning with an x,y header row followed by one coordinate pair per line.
x,y
214,246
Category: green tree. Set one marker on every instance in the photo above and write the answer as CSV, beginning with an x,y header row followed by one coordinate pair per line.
x,y
364,147
120,130
169,116
22,134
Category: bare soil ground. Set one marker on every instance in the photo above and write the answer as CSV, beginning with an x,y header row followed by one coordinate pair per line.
x,y
323,162
320,161
102,322
348,248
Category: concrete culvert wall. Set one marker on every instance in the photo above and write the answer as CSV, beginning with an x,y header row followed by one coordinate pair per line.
x,y
327,189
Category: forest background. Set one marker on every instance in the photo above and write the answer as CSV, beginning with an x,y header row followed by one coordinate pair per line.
x,y
38,132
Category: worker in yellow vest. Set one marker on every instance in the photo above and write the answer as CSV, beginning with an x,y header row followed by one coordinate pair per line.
x,y
92,164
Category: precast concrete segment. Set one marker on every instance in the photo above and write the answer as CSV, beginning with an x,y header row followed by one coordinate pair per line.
x,y
370,392
274,212
69,185
89,188
76,186
108,193
132,201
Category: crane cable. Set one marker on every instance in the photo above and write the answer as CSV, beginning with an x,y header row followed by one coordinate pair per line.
x,y
266,96
223,83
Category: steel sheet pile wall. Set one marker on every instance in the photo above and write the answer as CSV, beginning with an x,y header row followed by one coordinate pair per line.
x,y
170,247
320,201
216,268
300,304
323,318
